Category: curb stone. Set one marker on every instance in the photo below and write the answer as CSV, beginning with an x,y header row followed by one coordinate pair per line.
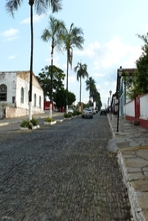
x,y
112,147
136,211
132,194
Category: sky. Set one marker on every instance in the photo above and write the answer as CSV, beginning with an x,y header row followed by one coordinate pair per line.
x,y
110,31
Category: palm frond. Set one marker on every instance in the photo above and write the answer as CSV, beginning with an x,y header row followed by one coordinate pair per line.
x,y
13,5
55,5
46,35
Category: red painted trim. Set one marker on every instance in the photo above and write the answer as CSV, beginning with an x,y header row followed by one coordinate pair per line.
x,y
47,105
130,118
143,123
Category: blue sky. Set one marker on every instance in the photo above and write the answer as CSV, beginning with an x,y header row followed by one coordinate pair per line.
x,y
110,32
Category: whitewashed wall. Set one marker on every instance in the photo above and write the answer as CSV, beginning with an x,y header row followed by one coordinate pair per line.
x,y
9,79
19,84
35,90
130,109
144,107
14,82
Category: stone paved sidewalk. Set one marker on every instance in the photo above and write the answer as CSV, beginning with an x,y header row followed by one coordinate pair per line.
x,y
131,143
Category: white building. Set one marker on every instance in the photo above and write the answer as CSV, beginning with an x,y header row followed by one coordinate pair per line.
x,y
14,94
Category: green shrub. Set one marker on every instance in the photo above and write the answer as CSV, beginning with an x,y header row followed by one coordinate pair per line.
x,y
69,115
25,123
34,122
74,113
78,113
49,119
29,124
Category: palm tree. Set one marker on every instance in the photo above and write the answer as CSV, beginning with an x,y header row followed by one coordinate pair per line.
x,y
40,7
81,70
71,38
53,34
90,86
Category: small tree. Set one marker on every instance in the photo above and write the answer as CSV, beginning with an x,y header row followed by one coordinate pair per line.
x,y
72,38
139,83
44,78
90,86
52,33
81,70
59,98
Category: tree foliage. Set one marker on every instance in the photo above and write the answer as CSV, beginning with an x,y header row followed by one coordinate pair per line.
x,y
60,97
52,33
142,67
139,84
70,39
90,86
41,6
93,93
44,78
81,70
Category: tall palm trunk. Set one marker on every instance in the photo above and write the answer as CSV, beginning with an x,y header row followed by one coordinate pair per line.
x,y
51,100
31,60
67,83
80,95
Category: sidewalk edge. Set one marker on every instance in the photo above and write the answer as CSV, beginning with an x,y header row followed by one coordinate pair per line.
x,y
136,211
132,194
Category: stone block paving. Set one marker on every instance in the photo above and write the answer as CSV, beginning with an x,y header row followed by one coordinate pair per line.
x,y
61,173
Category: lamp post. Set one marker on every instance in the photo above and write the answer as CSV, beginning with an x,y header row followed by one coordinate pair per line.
x,y
108,103
119,74
110,93
110,110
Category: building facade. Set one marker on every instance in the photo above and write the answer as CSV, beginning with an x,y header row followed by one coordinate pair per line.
x,y
14,94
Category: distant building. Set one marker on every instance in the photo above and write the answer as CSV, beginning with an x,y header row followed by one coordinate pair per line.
x,y
14,94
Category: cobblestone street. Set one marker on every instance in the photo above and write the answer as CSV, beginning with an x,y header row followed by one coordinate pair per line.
x,y
61,173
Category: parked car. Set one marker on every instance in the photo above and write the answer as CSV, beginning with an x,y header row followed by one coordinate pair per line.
x,y
103,112
93,109
70,110
87,113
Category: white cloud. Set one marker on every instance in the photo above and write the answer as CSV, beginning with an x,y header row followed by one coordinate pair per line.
x,y
48,60
90,51
55,61
10,34
98,87
64,66
36,18
85,100
106,83
71,79
94,46
12,57
111,53
116,52
98,75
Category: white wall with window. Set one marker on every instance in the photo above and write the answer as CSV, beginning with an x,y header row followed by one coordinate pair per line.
x,y
22,95
3,92
8,87
14,92
40,101
34,100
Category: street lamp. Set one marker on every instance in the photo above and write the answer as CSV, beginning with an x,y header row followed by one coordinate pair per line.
x,y
119,74
110,93
110,109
